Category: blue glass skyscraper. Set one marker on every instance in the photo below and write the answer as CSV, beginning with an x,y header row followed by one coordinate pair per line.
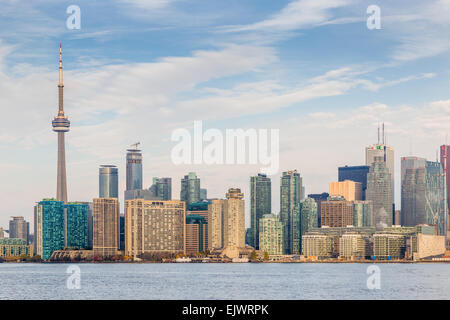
x,y
134,169
108,182
77,232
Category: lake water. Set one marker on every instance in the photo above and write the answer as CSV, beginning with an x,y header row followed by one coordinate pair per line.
x,y
225,281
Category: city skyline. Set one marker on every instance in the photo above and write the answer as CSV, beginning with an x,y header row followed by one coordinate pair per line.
x,y
105,120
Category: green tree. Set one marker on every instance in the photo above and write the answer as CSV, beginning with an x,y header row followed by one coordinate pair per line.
x,y
253,256
266,255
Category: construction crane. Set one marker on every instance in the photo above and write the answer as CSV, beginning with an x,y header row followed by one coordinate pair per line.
x,y
135,145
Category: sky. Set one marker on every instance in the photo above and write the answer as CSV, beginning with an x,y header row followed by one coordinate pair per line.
x,y
136,70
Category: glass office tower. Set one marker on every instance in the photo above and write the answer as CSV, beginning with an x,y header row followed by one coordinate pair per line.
x,y
290,196
134,169
190,188
108,182
260,204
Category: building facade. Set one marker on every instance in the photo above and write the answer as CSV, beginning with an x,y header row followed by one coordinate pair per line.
x,y
108,181
215,224
134,169
77,225
319,197
445,161
260,204
424,197
348,189
379,191
337,212
234,219
106,227
363,213
49,222
154,226
196,234
162,188
190,188
14,247
19,228
308,217
290,197
355,173
271,234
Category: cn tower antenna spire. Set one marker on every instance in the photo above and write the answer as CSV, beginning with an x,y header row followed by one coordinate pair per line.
x,y
61,125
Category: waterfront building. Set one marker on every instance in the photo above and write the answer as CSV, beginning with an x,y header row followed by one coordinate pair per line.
x,y
308,217
363,213
319,197
190,188
379,184
337,212
424,196
260,204
200,209
122,232
353,246
290,196
196,234
49,222
61,125
335,233
2,233
106,227
162,188
317,245
14,247
348,189
77,225
134,169
271,234
154,226
215,224
388,246
355,173
108,182
19,229
234,219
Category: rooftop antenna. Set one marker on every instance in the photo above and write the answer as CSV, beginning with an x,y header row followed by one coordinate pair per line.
x,y
378,133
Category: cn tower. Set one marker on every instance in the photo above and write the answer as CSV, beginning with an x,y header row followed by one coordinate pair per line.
x,y
61,125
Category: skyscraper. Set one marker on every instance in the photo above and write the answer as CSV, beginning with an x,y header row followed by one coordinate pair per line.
x,y
408,163
337,212
350,190
271,234
308,217
76,224
203,194
260,204
61,125
290,196
381,149
215,224
134,168
445,161
108,182
49,227
190,188
355,173
162,187
19,228
379,191
154,226
319,198
234,219
196,234
106,226
362,213
424,198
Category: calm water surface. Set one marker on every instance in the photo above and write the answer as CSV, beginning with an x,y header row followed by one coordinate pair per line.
x,y
225,281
